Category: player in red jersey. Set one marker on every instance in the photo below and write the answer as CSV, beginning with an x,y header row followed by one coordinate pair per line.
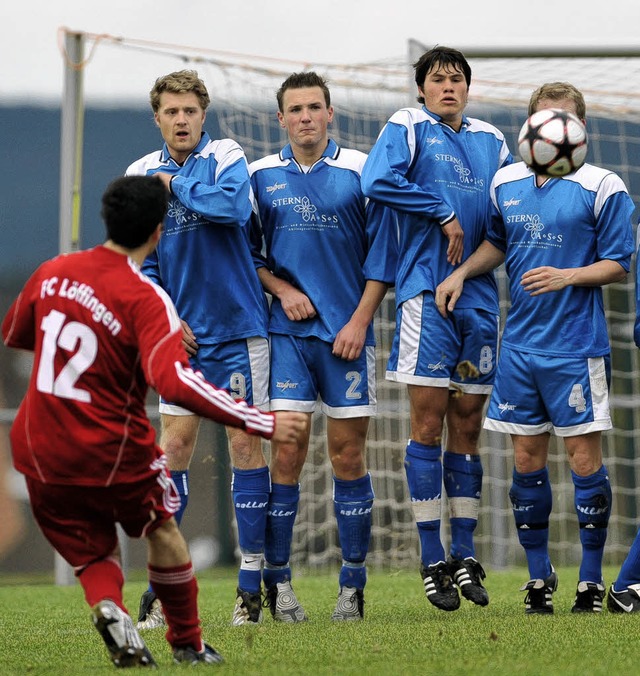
x,y
101,333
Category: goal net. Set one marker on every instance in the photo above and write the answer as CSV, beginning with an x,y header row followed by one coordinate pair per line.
x,y
364,95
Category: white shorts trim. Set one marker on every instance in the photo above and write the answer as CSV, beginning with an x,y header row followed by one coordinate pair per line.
x,y
174,409
427,381
293,405
410,379
533,430
259,359
339,412
410,333
349,411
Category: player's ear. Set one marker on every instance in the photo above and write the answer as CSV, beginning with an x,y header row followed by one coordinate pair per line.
x,y
330,111
281,119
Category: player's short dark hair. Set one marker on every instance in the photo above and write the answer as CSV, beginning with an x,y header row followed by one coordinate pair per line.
x,y
300,80
179,82
440,57
132,207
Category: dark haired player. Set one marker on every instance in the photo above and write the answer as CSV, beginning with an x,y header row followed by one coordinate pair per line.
x,y
102,332
433,165
329,259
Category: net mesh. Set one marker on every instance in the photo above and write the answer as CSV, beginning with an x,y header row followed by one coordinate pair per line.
x,y
243,91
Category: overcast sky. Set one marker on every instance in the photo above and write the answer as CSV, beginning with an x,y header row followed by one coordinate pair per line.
x,y
332,31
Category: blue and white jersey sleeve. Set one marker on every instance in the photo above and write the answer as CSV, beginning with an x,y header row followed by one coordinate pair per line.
x,y
567,222
382,243
219,193
226,200
203,260
385,174
612,205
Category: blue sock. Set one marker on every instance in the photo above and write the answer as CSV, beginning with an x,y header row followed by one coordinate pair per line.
x,y
423,467
593,507
531,500
630,571
281,515
181,480
250,489
462,476
353,502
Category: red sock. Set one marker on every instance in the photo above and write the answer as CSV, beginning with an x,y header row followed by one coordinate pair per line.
x,y
103,579
177,590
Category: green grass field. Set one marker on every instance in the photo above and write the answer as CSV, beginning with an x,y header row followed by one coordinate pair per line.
x,y
45,629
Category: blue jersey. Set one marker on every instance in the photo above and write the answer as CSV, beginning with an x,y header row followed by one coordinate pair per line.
x,y
430,173
204,259
321,236
568,222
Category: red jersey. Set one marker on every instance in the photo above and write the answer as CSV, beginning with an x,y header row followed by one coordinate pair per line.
x,y
101,331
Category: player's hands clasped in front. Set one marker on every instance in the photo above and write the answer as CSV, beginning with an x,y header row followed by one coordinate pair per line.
x,y
447,293
290,426
544,280
454,233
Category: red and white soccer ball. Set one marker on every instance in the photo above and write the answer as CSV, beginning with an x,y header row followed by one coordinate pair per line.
x,y
553,142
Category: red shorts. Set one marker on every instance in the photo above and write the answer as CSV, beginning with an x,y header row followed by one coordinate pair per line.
x,y
80,521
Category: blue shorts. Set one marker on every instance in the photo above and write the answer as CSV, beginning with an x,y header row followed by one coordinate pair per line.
x,y
240,366
534,394
429,350
303,369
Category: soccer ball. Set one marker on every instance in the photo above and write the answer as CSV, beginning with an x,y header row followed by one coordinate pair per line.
x,y
553,142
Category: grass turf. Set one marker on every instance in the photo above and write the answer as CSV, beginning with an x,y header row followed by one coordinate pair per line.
x,y
45,629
